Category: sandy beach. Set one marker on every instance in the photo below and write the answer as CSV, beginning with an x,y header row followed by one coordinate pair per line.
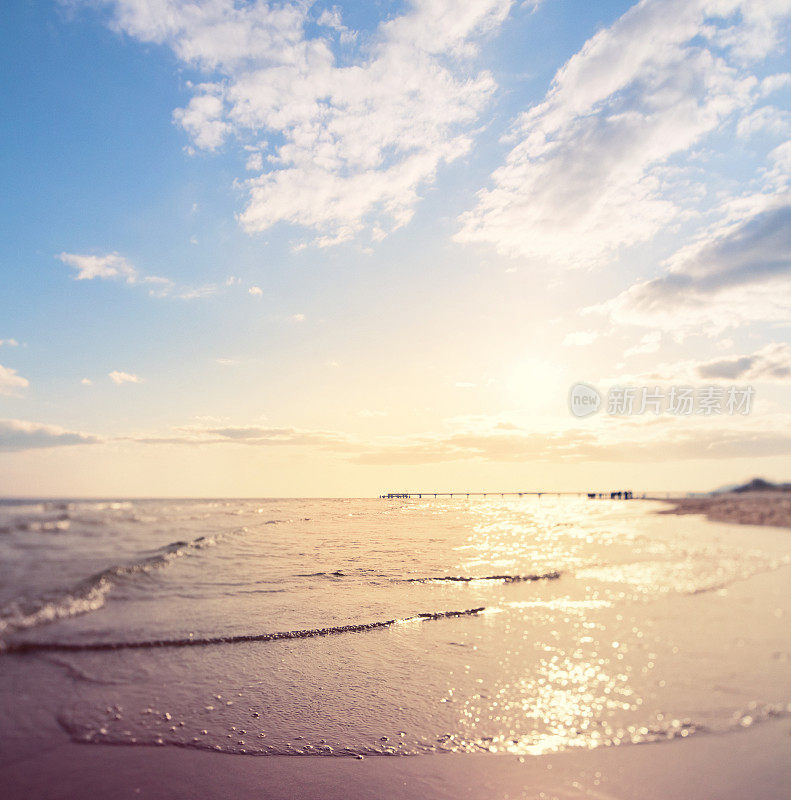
x,y
750,763
748,508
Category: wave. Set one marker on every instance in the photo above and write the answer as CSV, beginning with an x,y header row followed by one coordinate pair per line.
x,y
194,641
91,593
545,576
336,574
61,523
688,577
716,584
101,729
103,678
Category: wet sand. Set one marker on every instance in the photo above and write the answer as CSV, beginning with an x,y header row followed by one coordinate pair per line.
x,y
748,508
754,763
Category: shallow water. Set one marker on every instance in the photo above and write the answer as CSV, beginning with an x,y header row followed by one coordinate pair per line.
x,y
354,627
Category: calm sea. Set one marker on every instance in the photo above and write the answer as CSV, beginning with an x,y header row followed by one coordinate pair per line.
x,y
360,627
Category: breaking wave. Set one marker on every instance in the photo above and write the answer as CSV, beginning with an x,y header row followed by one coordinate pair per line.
x,y
545,576
91,593
195,641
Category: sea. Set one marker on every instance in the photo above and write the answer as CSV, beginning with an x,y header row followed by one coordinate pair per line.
x,y
375,627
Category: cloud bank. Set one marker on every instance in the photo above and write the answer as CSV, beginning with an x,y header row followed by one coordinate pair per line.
x,y
735,273
771,364
488,439
17,435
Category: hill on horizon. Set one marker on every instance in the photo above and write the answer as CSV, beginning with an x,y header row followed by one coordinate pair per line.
x,y
760,485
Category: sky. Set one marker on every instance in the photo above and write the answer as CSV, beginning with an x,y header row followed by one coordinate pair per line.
x,y
316,249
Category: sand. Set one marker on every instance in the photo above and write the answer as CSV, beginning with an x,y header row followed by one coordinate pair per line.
x,y
754,763
748,508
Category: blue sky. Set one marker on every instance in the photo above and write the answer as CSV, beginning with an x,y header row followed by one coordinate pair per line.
x,y
331,249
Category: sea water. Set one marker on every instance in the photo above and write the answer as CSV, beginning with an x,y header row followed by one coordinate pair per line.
x,y
396,627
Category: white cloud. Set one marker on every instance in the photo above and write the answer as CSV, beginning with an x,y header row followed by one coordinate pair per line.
x,y
255,162
483,440
9,343
256,291
17,434
111,265
250,435
196,292
164,284
331,18
769,364
649,343
773,83
123,377
768,119
297,317
368,413
86,382
11,382
588,173
202,118
658,439
580,338
357,138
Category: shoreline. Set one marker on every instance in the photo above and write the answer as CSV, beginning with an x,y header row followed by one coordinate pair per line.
x,y
747,508
754,763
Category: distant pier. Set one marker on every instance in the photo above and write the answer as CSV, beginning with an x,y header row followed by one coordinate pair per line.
x,y
619,495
